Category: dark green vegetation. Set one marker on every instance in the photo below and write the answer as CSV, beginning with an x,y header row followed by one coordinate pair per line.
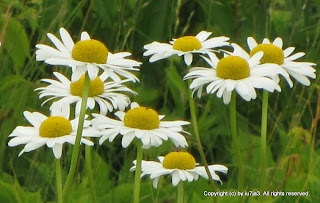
x,y
126,25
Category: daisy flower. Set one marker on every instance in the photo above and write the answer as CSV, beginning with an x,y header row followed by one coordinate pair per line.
x,y
284,59
143,123
185,46
181,166
52,131
236,71
86,55
107,94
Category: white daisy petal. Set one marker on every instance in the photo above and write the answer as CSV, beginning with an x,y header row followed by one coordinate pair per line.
x,y
78,72
159,51
84,36
58,43
110,128
66,39
203,35
266,41
298,70
111,98
33,138
226,97
32,146
188,58
288,51
92,71
57,150
62,56
278,42
155,182
300,78
127,139
157,169
295,56
34,118
175,178
251,42
263,76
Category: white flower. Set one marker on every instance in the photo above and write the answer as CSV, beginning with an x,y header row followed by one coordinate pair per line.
x,y
236,71
106,94
185,46
52,131
176,167
142,123
273,53
86,55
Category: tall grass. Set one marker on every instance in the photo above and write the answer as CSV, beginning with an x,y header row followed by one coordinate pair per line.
x,y
293,159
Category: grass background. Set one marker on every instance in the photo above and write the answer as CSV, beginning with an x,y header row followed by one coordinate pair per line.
x,y
126,25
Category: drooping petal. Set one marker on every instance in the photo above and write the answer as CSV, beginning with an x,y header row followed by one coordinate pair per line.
x,y
188,58
127,139
57,150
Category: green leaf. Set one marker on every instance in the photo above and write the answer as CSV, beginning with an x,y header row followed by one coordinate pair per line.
x,y
16,43
177,88
12,193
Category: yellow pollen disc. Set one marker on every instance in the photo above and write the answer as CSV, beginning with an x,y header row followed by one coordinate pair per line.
x,y
91,51
142,118
179,160
96,87
233,67
187,43
55,126
271,53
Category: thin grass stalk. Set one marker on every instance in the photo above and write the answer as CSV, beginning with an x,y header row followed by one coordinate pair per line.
x,y
58,180
76,148
196,134
89,173
137,179
264,120
180,192
235,140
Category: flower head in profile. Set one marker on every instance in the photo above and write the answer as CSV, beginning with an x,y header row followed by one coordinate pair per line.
x,y
86,55
108,95
181,166
236,71
142,123
185,46
284,59
52,131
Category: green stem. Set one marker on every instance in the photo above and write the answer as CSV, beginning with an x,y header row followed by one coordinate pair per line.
x,y
136,189
76,148
58,180
194,124
89,173
234,133
180,193
264,119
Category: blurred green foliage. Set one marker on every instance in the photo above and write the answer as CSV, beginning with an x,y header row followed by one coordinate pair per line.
x,y
127,25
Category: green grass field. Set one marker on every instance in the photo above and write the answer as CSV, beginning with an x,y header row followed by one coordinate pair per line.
x,y
293,147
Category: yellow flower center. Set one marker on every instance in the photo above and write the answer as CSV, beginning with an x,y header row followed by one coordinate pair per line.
x,y
187,43
179,160
142,118
91,50
271,53
55,126
233,67
96,87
